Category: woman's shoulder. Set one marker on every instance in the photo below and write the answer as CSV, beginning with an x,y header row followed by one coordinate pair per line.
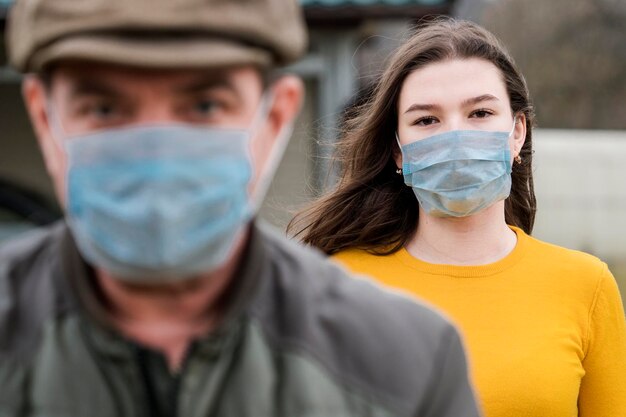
x,y
559,255
579,269
351,253
357,259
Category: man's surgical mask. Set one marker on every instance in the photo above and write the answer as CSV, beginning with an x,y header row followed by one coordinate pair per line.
x,y
159,203
458,173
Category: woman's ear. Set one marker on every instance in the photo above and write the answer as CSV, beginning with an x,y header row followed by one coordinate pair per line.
x,y
397,153
519,134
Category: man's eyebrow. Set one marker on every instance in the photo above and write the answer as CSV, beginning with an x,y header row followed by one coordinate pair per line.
x,y
87,87
479,99
206,83
426,107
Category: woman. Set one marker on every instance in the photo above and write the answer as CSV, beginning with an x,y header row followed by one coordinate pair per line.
x,y
436,198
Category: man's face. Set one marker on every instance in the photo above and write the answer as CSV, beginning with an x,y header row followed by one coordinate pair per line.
x,y
84,98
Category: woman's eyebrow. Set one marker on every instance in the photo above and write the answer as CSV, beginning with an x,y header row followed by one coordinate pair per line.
x,y
466,102
416,107
479,99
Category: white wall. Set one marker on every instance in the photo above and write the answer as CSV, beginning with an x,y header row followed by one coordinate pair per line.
x,y
580,182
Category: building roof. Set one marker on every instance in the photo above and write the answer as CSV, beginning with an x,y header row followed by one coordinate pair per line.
x,y
335,3
344,3
334,11
339,3
4,5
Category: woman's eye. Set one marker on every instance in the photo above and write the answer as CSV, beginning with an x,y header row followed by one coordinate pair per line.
x,y
480,114
425,121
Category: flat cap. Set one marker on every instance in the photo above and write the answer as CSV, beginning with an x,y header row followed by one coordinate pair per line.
x,y
155,33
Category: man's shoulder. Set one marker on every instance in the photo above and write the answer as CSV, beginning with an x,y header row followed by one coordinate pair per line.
x,y
386,343
28,290
310,274
30,245
22,255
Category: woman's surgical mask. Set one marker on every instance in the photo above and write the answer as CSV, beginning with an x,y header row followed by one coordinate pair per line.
x,y
160,203
458,173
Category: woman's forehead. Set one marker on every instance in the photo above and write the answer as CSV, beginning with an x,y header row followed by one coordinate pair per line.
x,y
452,81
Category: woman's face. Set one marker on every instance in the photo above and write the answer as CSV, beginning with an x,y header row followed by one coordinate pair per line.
x,y
457,94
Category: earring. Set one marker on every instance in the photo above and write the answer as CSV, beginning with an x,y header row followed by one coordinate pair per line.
x,y
518,160
399,171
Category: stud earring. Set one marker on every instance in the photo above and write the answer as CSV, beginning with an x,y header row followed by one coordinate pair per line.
x,y
518,160
399,171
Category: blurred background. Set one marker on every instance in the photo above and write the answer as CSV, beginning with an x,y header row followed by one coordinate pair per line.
x,y
572,52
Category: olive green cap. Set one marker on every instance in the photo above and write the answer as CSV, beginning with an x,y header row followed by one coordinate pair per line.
x,y
155,33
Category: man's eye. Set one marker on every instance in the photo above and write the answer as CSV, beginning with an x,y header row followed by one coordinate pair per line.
x,y
426,121
480,114
206,107
100,110
105,110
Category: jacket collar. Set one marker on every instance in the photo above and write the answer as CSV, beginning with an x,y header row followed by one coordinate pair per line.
x,y
95,316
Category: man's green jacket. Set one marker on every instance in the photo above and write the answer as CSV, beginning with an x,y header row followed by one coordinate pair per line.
x,y
299,339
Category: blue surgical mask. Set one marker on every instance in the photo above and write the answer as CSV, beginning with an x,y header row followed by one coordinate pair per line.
x,y
458,173
162,203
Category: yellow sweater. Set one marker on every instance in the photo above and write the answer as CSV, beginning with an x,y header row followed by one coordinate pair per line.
x,y
544,327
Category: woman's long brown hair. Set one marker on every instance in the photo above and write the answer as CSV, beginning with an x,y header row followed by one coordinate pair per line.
x,y
371,208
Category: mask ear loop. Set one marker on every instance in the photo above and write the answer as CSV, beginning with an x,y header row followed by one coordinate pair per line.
x,y
59,136
513,128
56,126
399,171
281,142
262,111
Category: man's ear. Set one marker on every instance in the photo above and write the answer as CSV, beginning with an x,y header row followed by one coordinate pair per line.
x,y
35,95
288,96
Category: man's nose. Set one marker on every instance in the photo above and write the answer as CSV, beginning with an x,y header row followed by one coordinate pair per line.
x,y
155,112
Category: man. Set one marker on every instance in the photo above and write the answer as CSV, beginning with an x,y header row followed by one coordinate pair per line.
x,y
161,123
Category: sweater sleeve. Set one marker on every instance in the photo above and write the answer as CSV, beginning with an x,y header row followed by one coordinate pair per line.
x,y
603,387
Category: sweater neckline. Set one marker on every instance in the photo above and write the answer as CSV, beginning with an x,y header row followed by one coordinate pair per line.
x,y
469,271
